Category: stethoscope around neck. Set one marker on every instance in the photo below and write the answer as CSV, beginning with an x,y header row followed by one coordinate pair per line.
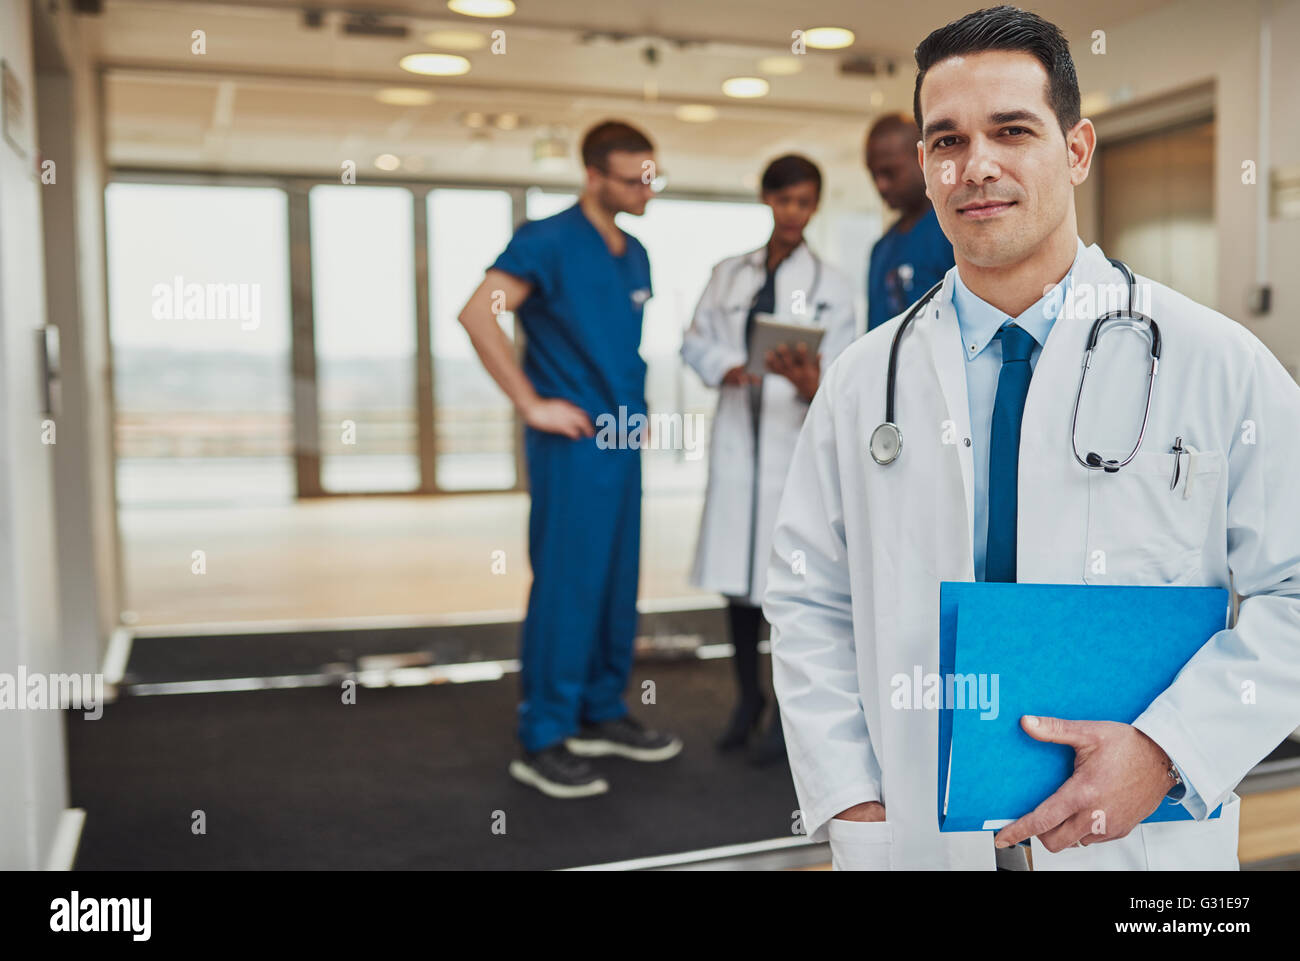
x,y
887,439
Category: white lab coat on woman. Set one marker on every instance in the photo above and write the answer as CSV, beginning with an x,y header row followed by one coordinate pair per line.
x,y
713,345
860,549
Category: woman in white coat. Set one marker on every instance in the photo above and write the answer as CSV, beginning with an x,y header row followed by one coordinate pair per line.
x,y
758,418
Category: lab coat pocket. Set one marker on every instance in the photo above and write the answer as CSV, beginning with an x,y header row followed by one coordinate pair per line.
x,y
861,845
1140,531
1209,845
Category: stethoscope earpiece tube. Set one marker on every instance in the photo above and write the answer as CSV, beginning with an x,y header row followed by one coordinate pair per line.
x,y
1132,319
891,438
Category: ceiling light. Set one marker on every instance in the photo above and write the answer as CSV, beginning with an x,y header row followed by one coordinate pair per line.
x,y
828,38
482,8
434,64
782,66
456,40
386,161
405,96
745,87
696,113
506,121
474,119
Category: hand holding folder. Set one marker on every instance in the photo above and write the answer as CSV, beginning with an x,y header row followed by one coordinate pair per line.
x,y
1069,651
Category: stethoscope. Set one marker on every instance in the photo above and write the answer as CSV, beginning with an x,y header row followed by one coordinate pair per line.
x,y
887,440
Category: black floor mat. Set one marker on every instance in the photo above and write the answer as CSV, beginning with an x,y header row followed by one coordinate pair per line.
x,y
406,778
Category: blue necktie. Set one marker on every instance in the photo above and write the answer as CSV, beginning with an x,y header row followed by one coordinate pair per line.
x,y
1004,453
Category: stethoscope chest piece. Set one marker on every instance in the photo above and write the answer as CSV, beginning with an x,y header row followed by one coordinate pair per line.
x,y
886,443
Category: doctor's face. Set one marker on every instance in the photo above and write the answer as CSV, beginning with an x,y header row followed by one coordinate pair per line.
x,y
792,208
623,186
998,169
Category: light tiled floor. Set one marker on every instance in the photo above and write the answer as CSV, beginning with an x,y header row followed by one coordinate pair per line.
x,y
358,557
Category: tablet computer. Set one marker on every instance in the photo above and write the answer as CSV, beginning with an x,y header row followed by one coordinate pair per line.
x,y
770,333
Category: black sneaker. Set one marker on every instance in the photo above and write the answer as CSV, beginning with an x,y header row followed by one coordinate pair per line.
x,y
557,773
625,737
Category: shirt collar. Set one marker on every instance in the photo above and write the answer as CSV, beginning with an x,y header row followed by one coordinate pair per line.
x,y
980,321
758,258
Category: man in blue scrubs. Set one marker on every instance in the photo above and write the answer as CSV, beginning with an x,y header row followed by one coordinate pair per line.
x,y
913,255
578,285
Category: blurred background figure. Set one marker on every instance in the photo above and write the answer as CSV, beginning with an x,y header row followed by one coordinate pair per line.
x,y
913,255
758,417
578,284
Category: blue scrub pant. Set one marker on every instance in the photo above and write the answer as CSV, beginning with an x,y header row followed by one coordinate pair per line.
x,y
584,543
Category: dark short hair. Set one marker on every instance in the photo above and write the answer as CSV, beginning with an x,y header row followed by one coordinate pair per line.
x,y
1006,28
894,123
604,138
790,170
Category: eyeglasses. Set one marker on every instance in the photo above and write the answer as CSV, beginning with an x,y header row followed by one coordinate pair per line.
x,y
656,185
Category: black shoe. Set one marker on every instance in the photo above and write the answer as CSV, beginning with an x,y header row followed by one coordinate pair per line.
x,y
744,720
557,773
625,737
769,748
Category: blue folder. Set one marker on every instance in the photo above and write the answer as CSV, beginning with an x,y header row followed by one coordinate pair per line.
x,y
1074,651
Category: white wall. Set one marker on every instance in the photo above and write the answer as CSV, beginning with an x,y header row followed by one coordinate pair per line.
x,y
33,791
1198,41
89,599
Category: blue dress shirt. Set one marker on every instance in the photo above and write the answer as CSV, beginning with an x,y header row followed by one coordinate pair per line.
x,y
979,322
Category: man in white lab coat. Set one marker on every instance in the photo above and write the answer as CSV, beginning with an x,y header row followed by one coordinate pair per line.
x,y
988,488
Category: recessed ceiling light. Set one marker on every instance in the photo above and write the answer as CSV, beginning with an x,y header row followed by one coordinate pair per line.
x,y
745,87
456,40
828,38
474,119
386,161
482,8
782,66
696,113
405,96
434,64
506,121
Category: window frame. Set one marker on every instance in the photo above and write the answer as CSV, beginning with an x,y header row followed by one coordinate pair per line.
x,y
297,187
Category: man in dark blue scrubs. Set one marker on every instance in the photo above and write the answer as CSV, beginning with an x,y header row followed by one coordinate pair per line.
x,y
578,285
913,255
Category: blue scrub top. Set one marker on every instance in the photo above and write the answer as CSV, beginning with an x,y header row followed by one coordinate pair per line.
x,y
582,319
905,266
